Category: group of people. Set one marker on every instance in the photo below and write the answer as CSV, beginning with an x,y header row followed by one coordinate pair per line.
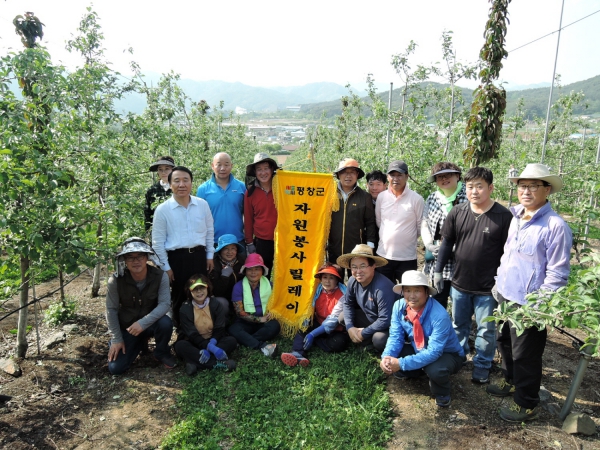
x,y
215,253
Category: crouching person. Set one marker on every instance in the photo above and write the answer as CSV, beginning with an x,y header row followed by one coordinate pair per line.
x,y
326,331
253,326
137,303
419,320
203,341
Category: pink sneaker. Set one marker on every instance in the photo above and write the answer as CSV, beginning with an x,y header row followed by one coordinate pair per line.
x,y
293,359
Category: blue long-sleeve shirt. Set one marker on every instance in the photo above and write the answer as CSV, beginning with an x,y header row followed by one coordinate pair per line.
x,y
439,335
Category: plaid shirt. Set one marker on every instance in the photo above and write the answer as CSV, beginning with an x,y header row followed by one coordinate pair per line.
x,y
435,215
154,197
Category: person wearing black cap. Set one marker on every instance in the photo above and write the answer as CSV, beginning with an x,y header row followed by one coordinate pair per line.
x,y
398,212
161,190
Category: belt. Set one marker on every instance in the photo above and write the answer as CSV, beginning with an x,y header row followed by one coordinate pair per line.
x,y
187,250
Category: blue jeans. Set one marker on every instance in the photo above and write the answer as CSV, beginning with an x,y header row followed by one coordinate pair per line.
x,y
464,305
162,330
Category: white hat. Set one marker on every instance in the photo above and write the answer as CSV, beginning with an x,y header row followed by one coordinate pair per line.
x,y
414,278
540,172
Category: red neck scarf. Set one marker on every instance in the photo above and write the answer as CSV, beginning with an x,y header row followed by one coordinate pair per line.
x,y
418,334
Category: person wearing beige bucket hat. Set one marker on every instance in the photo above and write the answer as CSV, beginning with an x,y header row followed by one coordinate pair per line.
x,y
369,298
260,214
536,258
434,349
354,221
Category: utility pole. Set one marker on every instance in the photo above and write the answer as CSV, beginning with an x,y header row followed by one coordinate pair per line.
x,y
387,137
552,85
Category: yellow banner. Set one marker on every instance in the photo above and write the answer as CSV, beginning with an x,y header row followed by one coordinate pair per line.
x,y
303,201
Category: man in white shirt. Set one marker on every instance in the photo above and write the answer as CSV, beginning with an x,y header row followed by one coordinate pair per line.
x,y
398,213
183,235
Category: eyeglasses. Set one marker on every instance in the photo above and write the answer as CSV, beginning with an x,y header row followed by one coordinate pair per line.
x,y
531,187
357,268
444,176
138,258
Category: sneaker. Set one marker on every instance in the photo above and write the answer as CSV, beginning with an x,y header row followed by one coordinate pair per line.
x,y
168,361
191,369
443,401
517,414
269,350
227,365
480,375
502,389
293,359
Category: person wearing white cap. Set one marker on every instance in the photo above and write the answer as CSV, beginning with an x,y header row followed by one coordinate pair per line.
x,y
536,259
434,348
137,303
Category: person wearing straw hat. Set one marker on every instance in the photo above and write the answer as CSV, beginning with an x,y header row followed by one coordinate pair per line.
x,y
254,326
536,259
137,305
354,222
225,196
434,348
260,215
161,190
369,298
475,232
325,331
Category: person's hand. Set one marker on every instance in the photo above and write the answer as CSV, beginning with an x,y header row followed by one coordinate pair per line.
x,y
250,248
386,365
227,271
209,265
308,341
135,329
265,319
433,248
355,335
114,350
495,292
171,275
204,356
217,351
438,281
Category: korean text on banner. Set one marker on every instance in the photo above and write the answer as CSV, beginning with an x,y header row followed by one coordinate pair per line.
x,y
304,203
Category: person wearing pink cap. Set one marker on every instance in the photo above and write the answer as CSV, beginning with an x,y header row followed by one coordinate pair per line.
x,y
254,326
326,331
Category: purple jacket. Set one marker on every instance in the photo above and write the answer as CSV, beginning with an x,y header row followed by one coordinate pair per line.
x,y
536,255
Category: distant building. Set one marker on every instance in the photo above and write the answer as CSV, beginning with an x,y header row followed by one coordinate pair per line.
x,y
293,108
240,111
290,148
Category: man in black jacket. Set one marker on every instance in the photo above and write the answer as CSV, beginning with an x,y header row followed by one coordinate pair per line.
x,y
354,222
137,302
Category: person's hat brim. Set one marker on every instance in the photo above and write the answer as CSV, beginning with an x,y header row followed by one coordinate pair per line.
x,y
329,270
344,260
431,178
162,162
251,168
198,283
398,288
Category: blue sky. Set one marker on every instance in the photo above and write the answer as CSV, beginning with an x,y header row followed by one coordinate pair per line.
x,y
275,43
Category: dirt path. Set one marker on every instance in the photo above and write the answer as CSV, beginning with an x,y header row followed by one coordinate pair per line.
x,y
66,398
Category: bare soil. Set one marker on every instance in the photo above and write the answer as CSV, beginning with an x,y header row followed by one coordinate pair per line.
x,y
66,398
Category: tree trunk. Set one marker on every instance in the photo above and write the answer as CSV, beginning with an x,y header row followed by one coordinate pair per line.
x,y
61,283
96,281
22,327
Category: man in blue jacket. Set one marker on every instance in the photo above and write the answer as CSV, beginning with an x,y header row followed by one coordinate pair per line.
x,y
536,259
434,348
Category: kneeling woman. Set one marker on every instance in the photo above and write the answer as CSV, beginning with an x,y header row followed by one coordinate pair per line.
x,y
326,332
434,348
253,328
203,341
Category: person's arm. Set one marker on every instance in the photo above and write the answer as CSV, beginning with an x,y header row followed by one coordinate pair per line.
x,y
159,236
384,301
237,297
210,233
348,305
112,311
558,255
426,236
435,346
331,321
163,306
219,316
248,219
370,224
448,241
397,335
378,211
419,207
148,210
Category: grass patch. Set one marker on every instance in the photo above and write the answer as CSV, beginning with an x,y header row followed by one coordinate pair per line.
x,y
339,401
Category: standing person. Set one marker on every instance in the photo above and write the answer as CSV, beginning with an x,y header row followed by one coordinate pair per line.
x,y
182,235
325,331
354,222
225,197
161,190
423,323
376,183
398,212
203,341
260,215
137,303
536,259
450,192
254,326
478,230
367,305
